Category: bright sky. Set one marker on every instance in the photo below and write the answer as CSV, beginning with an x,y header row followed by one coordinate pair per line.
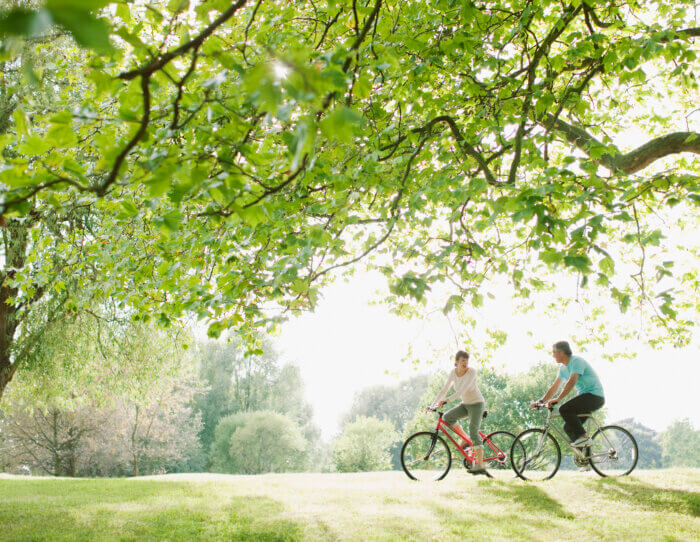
x,y
348,344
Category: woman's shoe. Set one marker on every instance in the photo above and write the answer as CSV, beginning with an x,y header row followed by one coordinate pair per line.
x,y
480,469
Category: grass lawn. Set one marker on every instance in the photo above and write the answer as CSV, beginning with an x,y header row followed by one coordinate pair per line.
x,y
651,505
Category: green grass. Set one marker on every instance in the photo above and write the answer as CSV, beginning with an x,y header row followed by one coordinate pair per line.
x,y
651,505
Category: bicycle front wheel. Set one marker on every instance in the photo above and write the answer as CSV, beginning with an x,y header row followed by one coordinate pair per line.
x,y
535,455
494,444
425,456
614,451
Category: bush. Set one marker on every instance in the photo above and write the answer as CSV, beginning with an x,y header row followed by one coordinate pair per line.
x,y
681,445
258,442
365,445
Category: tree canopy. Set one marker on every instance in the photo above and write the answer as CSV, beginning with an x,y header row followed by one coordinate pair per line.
x,y
227,158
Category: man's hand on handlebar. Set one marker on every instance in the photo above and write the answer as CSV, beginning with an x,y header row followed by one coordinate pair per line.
x,y
539,404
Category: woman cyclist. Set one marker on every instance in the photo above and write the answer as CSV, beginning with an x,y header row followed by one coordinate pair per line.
x,y
472,405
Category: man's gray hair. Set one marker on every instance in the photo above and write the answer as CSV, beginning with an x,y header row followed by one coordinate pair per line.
x,y
563,346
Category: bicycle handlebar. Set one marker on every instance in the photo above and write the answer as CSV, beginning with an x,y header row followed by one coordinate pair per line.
x,y
539,406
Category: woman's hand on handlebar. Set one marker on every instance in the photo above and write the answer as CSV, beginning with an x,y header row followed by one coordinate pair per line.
x,y
433,408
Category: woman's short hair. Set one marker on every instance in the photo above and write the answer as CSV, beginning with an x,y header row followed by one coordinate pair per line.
x,y
563,346
461,354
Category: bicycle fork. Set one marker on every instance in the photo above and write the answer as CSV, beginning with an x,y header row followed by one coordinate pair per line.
x,y
432,446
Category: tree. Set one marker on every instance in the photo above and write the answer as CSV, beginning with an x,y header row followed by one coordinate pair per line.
x,y
648,444
238,381
93,399
97,440
396,403
258,442
159,431
234,382
364,445
459,142
51,440
680,445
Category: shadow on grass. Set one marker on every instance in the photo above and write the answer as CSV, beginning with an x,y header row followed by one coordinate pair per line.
x,y
647,495
516,512
531,497
144,511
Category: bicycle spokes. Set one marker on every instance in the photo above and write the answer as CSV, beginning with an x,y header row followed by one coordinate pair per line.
x,y
613,451
535,455
425,456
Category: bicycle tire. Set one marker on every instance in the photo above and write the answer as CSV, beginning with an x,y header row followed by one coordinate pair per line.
x,y
417,447
526,454
623,455
504,441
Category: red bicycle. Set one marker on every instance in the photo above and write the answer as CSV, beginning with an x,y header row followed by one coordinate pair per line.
x,y
426,456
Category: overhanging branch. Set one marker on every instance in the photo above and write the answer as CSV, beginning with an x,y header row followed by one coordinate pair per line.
x,y
633,161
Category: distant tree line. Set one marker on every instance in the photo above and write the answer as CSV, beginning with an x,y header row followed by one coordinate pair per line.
x,y
106,396
154,406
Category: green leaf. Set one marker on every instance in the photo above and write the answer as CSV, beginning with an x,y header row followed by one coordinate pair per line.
x,y
62,135
452,302
34,145
580,263
523,215
87,30
24,22
129,207
123,12
130,38
20,121
62,117
551,256
341,124
363,87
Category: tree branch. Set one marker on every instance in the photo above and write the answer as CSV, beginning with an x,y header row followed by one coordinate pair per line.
x,y
195,43
632,161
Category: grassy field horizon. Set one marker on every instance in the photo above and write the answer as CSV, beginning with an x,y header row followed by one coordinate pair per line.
x,y
650,505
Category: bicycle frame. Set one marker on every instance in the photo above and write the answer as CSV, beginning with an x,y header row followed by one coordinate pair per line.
x,y
549,426
442,427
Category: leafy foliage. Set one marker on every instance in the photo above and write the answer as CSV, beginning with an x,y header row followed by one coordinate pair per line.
x,y
395,403
648,443
233,156
258,442
236,381
364,445
680,445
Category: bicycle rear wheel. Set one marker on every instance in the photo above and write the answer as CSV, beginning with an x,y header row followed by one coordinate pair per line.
x,y
503,442
613,452
425,456
535,455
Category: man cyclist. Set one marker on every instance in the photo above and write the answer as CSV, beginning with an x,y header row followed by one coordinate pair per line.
x,y
575,372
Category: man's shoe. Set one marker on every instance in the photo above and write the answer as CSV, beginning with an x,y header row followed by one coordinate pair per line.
x,y
581,442
585,468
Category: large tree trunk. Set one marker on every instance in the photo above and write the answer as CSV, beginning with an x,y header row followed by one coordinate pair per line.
x,y
14,236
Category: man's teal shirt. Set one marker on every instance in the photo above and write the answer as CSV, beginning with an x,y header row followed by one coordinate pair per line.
x,y
588,381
